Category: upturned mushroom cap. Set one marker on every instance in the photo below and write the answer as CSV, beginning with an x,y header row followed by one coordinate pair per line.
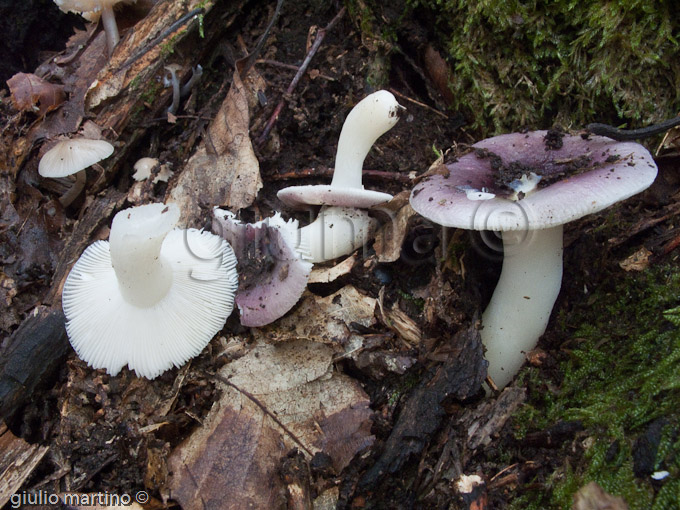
x,y
68,157
272,273
373,116
576,177
151,297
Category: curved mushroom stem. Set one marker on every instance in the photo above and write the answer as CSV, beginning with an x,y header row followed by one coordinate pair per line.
x,y
74,191
196,73
367,121
110,28
175,91
337,231
135,243
520,307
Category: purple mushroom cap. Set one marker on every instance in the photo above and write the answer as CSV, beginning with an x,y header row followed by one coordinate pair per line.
x,y
272,275
578,176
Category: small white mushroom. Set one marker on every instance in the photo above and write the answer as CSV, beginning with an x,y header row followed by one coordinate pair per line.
x,y
151,297
105,7
343,225
72,157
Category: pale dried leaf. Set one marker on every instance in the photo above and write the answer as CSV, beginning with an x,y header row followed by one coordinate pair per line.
x,y
33,94
638,261
224,170
592,497
325,320
330,274
232,461
390,237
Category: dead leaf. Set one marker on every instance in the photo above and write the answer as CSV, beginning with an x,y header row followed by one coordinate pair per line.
x,y
390,237
224,170
330,274
30,93
325,320
638,261
279,397
592,497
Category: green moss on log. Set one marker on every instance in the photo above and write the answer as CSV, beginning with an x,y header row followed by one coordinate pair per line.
x,y
531,63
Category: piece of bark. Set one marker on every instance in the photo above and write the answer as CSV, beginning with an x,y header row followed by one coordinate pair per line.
x,y
489,418
296,475
18,459
458,378
33,356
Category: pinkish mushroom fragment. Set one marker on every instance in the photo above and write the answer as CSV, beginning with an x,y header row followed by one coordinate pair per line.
x,y
527,185
272,273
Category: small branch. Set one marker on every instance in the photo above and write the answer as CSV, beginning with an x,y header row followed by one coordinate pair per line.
x,y
266,411
300,73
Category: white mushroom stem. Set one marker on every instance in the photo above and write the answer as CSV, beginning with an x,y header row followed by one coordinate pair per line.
x,y
336,231
367,121
144,277
520,307
110,27
72,193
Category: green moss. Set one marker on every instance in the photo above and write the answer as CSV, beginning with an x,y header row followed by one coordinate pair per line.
x,y
529,63
623,374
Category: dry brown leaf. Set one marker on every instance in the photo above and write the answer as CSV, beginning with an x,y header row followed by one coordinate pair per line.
x,y
592,497
30,93
232,461
638,261
390,237
224,170
325,320
330,274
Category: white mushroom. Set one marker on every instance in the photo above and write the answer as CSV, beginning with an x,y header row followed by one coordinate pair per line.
x,y
151,297
72,157
343,225
96,6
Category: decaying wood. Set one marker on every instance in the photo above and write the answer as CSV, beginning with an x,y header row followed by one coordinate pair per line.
x,y
458,378
34,354
18,459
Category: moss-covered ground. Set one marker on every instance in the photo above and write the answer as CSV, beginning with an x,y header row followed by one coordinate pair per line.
x,y
621,380
532,63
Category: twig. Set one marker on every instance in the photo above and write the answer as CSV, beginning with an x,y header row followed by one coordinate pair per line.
x,y
266,411
632,134
172,28
422,105
250,60
300,73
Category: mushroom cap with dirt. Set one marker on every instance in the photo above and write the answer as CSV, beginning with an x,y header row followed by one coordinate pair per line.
x,y
151,297
527,186
273,272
